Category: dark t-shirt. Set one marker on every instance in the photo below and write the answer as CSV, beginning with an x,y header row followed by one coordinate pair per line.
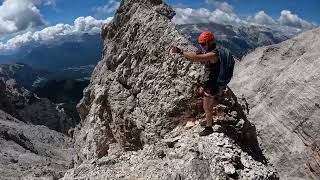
x,y
212,70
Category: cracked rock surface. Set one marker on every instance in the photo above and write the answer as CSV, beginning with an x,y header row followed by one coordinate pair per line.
x,y
216,156
32,152
29,148
134,111
27,107
282,83
231,152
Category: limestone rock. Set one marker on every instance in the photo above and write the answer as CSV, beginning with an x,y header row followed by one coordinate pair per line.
x,y
32,151
281,84
189,157
134,111
26,106
138,89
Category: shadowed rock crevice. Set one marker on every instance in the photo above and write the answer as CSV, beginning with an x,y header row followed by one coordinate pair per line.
x,y
246,135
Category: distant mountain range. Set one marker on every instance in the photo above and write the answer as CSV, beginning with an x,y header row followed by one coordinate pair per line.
x,y
63,86
85,49
74,51
61,69
32,78
239,39
25,75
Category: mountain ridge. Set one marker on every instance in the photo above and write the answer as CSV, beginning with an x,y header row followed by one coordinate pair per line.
x,y
77,50
30,148
281,84
240,40
134,111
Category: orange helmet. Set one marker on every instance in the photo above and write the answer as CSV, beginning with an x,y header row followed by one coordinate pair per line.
x,y
205,37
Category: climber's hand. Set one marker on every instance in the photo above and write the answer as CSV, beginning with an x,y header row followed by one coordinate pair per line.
x,y
198,90
176,50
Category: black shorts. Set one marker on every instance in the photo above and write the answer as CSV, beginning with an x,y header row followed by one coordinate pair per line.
x,y
213,89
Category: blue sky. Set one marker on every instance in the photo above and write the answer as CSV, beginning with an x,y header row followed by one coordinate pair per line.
x,y
24,21
308,10
66,10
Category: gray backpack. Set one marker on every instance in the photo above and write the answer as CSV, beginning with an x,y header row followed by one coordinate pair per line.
x,y
226,66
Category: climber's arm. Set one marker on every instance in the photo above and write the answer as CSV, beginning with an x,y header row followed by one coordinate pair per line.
x,y
194,57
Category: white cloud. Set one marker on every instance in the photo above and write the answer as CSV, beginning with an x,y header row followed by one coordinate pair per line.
x,y
81,25
108,8
264,19
16,15
202,15
191,16
7,26
88,24
293,20
222,17
222,5
44,2
287,20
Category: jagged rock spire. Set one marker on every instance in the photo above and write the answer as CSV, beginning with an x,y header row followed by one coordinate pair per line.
x,y
139,96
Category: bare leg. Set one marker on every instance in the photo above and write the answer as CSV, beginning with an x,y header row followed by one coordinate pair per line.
x,y
208,103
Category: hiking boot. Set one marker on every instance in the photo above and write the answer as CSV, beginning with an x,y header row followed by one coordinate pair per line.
x,y
206,131
219,122
203,123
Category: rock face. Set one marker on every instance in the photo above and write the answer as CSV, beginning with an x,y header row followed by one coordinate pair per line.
x,y
137,90
138,100
231,152
27,107
29,149
32,151
282,85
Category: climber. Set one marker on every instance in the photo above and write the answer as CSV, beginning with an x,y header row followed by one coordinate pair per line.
x,y
214,84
